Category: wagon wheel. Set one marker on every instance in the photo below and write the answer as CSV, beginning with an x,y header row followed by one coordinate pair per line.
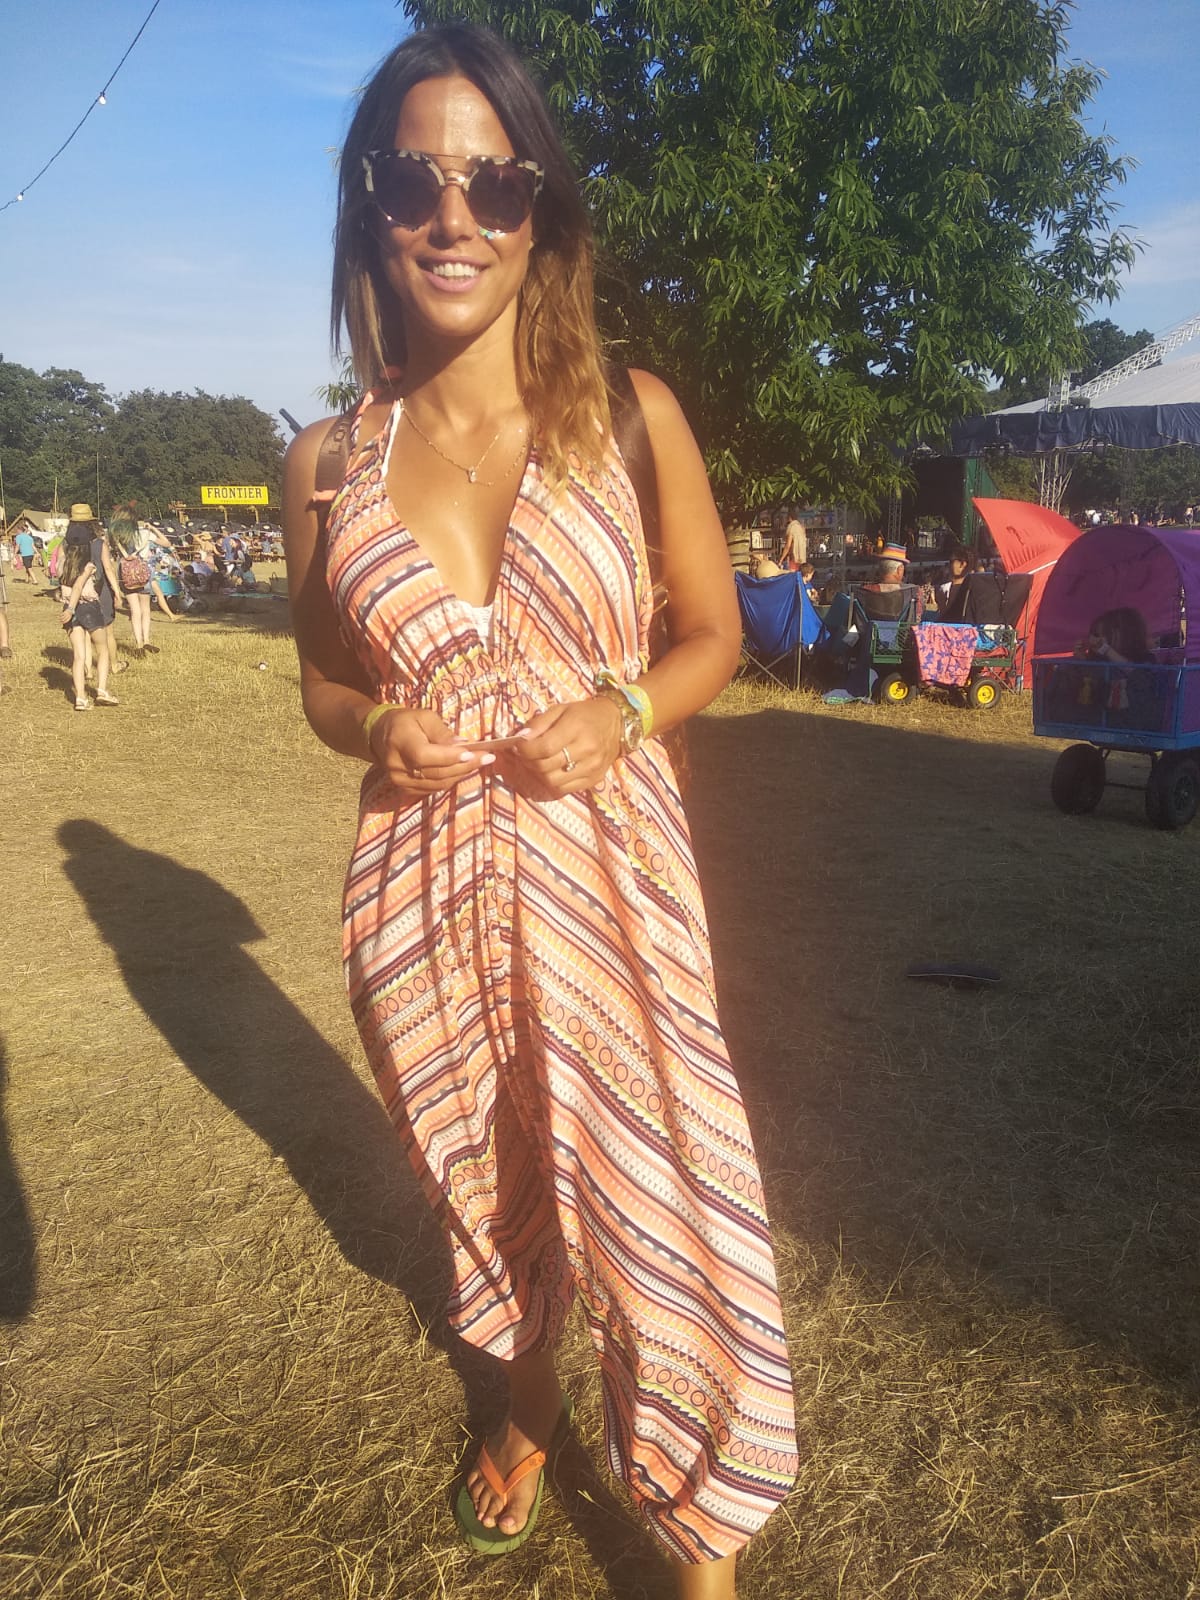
x,y
983,694
1173,791
1078,779
894,690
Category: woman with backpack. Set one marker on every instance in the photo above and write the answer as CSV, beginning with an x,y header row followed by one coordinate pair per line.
x,y
83,616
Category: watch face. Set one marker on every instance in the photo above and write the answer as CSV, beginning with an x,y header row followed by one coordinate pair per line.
x,y
631,729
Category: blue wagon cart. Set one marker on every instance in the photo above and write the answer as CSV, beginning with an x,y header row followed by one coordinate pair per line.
x,y
1149,705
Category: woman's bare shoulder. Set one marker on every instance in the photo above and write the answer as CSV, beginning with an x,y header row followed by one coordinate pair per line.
x,y
654,396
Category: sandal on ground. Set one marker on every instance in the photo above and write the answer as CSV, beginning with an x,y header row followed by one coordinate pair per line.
x,y
119,666
492,1541
83,704
105,698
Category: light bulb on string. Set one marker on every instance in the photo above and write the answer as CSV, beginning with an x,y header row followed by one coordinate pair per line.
x,y
20,197
102,99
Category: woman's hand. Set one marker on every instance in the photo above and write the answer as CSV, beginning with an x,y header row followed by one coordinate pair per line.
x,y
566,749
420,754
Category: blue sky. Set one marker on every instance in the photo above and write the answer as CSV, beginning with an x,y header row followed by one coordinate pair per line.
x,y
182,241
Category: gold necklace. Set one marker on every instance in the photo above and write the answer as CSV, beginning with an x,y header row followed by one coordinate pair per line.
x,y
471,472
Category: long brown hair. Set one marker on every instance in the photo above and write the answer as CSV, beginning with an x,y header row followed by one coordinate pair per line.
x,y
558,353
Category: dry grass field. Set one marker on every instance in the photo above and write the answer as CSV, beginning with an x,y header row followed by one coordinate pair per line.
x,y
224,1375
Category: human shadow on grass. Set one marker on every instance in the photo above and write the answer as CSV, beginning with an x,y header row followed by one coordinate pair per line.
x,y
178,936
18,1255
1037,1133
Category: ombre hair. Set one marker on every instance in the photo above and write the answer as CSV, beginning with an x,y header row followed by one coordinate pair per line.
x,y
558,353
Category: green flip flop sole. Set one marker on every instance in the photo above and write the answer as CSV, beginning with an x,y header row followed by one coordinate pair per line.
x,y
491,1541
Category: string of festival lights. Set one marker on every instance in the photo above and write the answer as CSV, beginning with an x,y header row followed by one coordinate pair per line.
x,y
100,100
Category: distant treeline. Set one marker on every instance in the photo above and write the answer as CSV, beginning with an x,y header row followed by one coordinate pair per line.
x,y
60,433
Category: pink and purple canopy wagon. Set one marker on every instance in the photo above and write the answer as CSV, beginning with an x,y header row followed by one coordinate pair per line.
x,y
1147,700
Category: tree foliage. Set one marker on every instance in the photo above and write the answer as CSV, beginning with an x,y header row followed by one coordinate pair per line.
x,y
59,432
1102,346
828,224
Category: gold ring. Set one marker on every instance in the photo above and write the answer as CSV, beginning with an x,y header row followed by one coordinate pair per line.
x,y
568,764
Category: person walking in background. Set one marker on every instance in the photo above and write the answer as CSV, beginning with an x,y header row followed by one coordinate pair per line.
x,y
26,548
136,555
525,942
5,646
795,545
83,523
83,616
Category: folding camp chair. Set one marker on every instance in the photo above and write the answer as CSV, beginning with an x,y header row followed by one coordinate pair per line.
x,y
779,623
988,599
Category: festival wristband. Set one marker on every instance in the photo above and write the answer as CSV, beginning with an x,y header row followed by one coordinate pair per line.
x,y
372,717
633,695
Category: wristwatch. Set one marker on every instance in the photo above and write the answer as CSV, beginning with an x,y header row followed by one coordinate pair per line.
x,y
631,722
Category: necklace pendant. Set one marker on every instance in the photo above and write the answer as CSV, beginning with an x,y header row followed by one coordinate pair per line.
x,y
470,474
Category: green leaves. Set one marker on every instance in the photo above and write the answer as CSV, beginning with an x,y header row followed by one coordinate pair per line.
x,y
825,224
57,430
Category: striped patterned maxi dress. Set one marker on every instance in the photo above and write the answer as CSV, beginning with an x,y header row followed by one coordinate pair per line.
x,y
533,985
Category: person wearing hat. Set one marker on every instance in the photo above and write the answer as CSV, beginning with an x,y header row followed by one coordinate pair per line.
x,y
84,528
889,576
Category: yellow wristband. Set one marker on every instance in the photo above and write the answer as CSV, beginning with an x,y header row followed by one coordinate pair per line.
x,y
372,717
632,694
642,704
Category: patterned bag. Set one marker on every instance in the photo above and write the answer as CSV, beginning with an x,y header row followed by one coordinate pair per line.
x,y
133,572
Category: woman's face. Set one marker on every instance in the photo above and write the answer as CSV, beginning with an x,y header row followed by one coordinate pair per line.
x,y
451,282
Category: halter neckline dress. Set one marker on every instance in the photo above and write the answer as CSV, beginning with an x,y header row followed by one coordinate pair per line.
x,y
533,986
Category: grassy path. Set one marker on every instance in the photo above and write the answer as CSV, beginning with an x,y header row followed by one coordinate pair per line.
x,y
222,1363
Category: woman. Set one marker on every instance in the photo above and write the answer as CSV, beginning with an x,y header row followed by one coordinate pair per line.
x,y
524,937
83,617
1117,636
138,564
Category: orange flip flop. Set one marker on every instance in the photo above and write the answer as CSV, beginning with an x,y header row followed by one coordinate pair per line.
x,y
492,1541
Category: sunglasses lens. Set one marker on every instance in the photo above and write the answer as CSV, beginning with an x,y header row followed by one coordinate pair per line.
x,y
405,190
501,198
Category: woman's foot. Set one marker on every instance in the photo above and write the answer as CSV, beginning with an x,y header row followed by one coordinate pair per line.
x,y
82,703
535,1409
104,698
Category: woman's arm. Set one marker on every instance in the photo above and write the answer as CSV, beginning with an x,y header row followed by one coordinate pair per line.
x,y
415,747
703,622
110,572
72,600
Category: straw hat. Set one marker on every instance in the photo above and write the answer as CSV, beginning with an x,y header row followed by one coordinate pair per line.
x,y
82,512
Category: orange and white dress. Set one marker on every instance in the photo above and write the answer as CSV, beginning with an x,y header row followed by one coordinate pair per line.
x,y
533,985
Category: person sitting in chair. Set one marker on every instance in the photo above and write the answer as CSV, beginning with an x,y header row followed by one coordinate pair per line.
x,y
889,597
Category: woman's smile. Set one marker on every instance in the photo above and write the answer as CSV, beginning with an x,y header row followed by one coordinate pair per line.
x,y
452,279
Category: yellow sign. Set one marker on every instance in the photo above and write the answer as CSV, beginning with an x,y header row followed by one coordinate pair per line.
x,y
234,494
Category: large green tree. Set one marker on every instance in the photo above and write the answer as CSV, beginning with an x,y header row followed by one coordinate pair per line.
x,y
1102,346
828,223
161,447
51,427
60,435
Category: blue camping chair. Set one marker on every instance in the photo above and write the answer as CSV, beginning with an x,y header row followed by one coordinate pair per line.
x,y
779,624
